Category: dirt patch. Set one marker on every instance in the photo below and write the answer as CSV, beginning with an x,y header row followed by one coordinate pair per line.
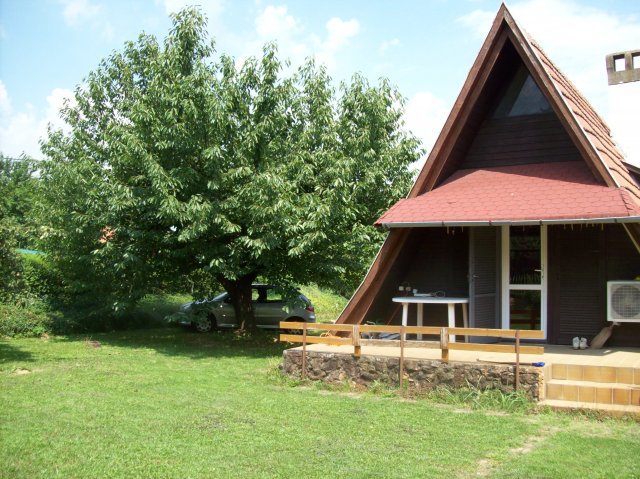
x,y
485,466
21,371
533,441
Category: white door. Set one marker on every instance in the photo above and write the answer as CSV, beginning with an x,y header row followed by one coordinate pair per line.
x,y
524,284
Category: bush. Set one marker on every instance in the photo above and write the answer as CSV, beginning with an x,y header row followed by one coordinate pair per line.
x,y
9,261
24,320
38,278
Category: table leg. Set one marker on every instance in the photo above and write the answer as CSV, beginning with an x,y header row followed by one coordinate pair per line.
x,y
452,320
405,313
405,316
420,317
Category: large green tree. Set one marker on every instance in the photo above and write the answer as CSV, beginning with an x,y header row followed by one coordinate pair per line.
x,y
177,160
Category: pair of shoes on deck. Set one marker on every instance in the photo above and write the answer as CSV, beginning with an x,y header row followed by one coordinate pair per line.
x,y
579,343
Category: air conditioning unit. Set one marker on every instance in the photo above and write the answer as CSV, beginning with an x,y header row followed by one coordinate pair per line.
x,y
623,301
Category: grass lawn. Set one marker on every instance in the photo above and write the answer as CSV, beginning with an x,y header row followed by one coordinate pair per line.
x,y
170,403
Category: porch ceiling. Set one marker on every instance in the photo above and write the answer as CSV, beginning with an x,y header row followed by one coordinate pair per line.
x,y
543,193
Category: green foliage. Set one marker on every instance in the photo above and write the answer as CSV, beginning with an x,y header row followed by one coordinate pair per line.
x,y
18,191
9,262
24,320
17,194
178,163
328,305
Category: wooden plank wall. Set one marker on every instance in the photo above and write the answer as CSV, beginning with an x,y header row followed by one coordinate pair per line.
x,y
520,140
433,259
581,261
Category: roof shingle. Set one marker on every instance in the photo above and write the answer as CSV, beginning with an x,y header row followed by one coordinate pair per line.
x,y
534,192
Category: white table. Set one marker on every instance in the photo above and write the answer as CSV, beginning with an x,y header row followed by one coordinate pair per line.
x,y
422,300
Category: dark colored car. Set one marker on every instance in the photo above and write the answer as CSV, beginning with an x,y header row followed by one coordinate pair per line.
x,y
271,305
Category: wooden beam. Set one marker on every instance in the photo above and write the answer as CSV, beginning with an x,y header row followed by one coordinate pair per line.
x,y
499,333
367,328
315,326
328,340
496,348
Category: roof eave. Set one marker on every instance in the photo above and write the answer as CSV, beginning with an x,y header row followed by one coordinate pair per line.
x,y
512,222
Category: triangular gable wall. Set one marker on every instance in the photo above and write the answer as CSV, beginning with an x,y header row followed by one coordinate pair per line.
x,y
586,129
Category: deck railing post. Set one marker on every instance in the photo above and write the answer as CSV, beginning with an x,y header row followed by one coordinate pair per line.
x,y
355,338
517,385
303,373
402,336
444,344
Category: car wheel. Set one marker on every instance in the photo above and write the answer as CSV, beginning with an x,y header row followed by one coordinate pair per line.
x,y
204,322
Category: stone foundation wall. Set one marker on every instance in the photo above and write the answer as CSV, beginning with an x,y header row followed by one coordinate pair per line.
x,y
420,374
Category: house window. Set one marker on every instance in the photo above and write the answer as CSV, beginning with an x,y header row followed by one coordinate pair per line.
x,y
522,97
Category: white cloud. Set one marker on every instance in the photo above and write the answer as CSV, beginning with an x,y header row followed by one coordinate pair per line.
x,y
479,21
21,131
5,101
577,38
276,23
424,116
108,32
339,32
78,11
624,105
387,44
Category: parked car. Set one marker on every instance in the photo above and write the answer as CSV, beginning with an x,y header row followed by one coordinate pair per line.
x,y
271,304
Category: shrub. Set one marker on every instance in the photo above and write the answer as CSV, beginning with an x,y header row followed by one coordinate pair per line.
x,y
24,320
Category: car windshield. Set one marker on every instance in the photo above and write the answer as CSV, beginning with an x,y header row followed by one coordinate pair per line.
x,y
220,297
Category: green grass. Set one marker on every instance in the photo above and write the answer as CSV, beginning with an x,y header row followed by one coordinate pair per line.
x,y
156,307
167,403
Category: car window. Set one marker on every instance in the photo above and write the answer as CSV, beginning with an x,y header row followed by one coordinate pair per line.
x,y
274,296
259,295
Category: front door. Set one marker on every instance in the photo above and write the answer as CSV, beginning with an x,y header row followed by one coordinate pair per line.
x,y
484,287
524,286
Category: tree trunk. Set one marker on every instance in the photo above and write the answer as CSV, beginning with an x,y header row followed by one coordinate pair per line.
x,y
240,291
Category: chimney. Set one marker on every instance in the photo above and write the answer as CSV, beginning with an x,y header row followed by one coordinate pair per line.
x,y
623,67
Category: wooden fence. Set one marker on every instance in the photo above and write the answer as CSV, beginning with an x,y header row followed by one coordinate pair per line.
x,y
357,330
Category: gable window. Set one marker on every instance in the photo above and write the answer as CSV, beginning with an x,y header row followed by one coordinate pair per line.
x,y
522,97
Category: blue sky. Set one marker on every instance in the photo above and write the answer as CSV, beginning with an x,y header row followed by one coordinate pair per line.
x,y
426,48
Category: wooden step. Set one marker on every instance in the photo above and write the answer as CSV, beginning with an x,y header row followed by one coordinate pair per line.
x,y
609,409
593,392
602,374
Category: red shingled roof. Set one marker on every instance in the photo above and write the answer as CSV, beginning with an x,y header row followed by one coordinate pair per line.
x,y
593,126
537,192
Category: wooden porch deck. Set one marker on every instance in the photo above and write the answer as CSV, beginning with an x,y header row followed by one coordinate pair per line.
x,y
615,357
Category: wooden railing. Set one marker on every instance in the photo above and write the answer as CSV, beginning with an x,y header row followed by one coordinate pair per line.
x,y
443,333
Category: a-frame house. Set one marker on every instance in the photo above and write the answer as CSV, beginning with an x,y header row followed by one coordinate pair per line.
x,y
525,206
